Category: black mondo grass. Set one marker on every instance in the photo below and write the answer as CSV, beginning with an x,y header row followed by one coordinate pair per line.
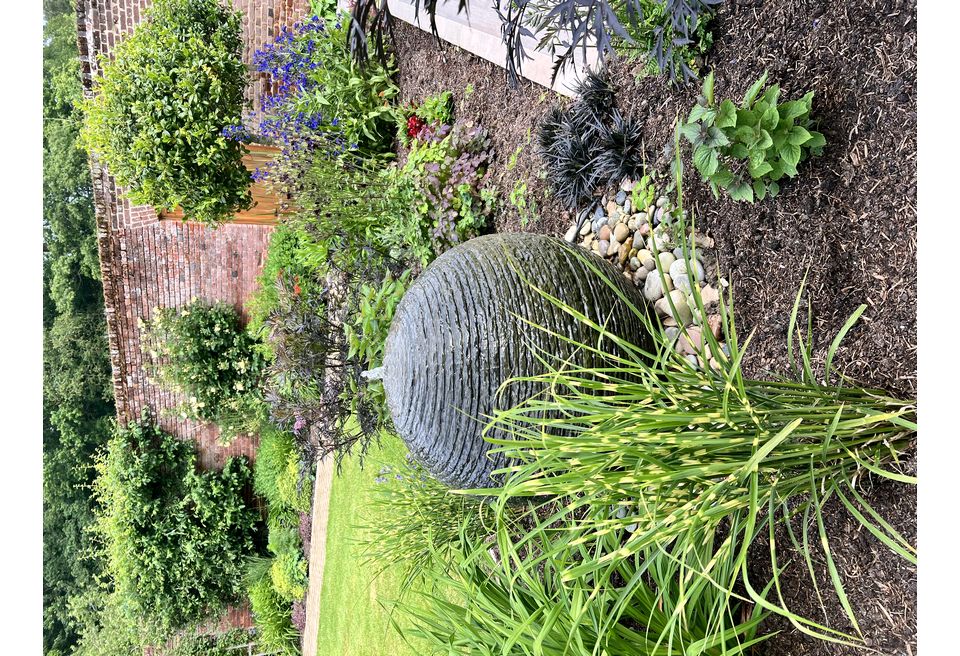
x,y
622,152
590,144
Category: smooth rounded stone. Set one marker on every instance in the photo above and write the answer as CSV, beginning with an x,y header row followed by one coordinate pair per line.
x,y
709,296
672,333
716,327
615,216
632,223
662,238
633,251
604,234
585,229
680,312
627,185
692,342
663,201
700,239
613,248
621,197
639,276
611,208
602,247
620,232
589,239
693,360
598,212
646,259
635,264
653,288
644,229
667,260
637,240
627,206
681,276
623,255
571,234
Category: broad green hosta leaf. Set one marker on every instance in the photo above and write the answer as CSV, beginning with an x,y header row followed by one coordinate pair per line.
x,y
692,132
770,118
760,170
706,161
741,191
798,136
759,189
722,178
792,109
790,153
817,142
708,88
727,115
715,138
771,95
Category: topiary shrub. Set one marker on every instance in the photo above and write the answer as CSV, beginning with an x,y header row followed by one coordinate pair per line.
x,y
162,105
174,539
277,473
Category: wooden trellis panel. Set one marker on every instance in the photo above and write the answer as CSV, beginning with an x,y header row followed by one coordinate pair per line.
x,y
267,206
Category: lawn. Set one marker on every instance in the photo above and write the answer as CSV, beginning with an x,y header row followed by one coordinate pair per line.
x,y
352,619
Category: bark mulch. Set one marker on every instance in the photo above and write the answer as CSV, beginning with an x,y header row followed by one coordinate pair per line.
x,y
847,221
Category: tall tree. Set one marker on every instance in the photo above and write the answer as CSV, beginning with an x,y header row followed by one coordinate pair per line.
x,y
77,395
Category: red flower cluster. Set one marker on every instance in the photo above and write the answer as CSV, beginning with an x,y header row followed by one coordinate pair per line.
x,y
414,125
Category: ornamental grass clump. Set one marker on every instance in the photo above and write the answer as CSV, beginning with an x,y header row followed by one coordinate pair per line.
x,y
693,458
163,104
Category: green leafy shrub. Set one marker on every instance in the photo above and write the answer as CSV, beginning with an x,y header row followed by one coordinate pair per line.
x,y
676,54
272,616
162,105
287,256
277,473
365,331
202,352
288,573
432,112
174,538
444,182
745,151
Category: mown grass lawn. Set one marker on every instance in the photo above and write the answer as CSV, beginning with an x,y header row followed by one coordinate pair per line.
x,y
352,621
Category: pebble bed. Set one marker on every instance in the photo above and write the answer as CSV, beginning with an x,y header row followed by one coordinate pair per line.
x,y
636,240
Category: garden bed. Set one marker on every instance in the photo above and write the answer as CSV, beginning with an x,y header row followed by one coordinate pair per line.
x,y
850,218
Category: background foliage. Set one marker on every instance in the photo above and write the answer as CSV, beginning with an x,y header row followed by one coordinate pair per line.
x,y
77,390
162,105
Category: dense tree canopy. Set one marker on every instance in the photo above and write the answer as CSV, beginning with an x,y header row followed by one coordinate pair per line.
x,y
77,395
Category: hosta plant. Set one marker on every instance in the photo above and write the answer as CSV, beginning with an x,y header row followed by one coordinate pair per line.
x,y
747,150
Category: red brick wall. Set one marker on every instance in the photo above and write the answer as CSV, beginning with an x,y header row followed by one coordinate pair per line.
x,y
146,263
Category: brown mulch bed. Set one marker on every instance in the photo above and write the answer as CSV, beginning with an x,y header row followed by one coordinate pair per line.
x,y
848,219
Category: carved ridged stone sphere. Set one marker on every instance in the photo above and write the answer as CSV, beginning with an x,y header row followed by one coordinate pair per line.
x,y
458,334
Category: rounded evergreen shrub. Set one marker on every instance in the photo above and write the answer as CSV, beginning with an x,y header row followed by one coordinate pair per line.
x,y
175,539
162,107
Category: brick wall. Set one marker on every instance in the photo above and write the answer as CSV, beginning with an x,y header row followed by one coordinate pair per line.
x,y
146,263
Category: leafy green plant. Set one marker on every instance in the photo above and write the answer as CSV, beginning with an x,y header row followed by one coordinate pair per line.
x,y
526,207
434,111
365,332
745,151
677,57
173,538
202,352
643,193
277,473
271,614
162,105
288,571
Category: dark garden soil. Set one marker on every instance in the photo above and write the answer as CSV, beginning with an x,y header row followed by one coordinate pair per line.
x,y
849,217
